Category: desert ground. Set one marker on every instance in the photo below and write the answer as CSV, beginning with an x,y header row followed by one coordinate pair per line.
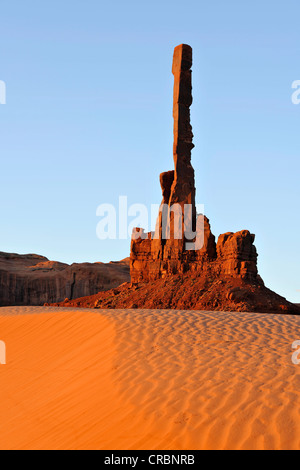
x,y
148,379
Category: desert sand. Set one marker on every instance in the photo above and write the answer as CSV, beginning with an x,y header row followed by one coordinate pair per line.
x,y
148,379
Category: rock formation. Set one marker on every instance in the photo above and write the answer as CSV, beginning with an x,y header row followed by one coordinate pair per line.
x,y
167,251
237,254
34,280
181,266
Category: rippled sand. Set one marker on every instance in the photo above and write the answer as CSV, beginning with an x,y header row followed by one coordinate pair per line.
x,y
148,379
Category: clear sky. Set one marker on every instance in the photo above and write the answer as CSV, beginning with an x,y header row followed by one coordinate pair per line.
x,y
89,118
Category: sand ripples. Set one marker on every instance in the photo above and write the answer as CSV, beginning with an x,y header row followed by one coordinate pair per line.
x,y
211,380
138,379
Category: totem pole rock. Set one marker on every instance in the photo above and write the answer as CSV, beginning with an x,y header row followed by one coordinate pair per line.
x,y
183,187
183,240
175,268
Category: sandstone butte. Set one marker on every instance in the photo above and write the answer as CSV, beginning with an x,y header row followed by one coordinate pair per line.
x,y
34,280
219,275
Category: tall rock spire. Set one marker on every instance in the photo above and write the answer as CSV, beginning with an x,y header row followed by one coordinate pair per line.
x,y
168,251
180,186
183,135
182,190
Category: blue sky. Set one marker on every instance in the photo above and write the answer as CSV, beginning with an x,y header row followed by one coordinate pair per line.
x,y
89,118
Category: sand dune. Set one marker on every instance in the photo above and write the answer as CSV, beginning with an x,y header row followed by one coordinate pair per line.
x,y
148,379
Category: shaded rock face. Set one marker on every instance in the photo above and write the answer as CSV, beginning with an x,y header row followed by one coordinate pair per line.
x,y
168,251
34,280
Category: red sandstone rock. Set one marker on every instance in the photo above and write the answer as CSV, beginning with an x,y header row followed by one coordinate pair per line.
x,y
166,252
170,250
183,188
165,273
237,254
166,182
34,280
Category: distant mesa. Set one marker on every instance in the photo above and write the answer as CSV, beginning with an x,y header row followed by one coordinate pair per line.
x,y
219,275
34,280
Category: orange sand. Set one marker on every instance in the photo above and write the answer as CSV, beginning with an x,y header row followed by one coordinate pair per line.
x,y
148,379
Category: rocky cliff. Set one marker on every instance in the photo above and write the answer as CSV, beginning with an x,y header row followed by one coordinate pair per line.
x,y
34,280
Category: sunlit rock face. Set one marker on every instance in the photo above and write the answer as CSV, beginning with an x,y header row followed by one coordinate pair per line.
x,y
34,280
174,268
172,249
